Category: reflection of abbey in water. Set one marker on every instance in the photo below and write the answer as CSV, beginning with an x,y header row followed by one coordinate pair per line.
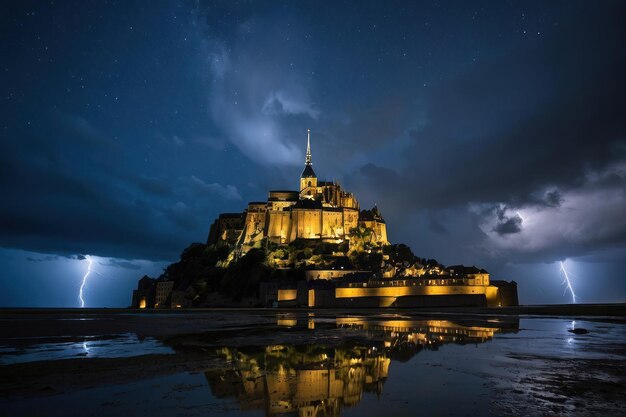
x,y
319,381
309,380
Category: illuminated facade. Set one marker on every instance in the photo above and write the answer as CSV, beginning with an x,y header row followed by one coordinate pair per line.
x,y
323,212
319,210
436,291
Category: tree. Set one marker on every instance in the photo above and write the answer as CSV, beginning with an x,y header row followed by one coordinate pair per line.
x,y
242,277
361,235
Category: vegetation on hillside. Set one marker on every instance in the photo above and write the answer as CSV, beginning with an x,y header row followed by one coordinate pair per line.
x,y
220,269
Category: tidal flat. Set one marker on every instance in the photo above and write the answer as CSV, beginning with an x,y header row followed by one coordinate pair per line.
x,y
313,362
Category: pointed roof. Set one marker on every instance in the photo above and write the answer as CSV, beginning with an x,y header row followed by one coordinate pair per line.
x,y
308,172
308,167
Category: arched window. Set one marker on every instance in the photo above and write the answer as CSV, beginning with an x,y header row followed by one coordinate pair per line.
x,y
309,185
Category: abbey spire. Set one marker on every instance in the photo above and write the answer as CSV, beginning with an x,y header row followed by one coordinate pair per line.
x,y
308,147
308,178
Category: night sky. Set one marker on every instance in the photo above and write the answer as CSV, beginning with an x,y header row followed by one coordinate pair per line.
x,y
488,133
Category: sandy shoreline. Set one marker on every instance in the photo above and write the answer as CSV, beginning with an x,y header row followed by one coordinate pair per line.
x,y
614,309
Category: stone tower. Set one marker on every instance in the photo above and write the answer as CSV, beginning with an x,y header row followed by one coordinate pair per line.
x,y
308,179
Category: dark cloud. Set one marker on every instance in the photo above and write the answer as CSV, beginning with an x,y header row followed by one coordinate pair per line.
x,y
524,128
153,185
536,115
553,198
508,225
183,216
437,227
42,259
55,203
587,222
116,263
228,192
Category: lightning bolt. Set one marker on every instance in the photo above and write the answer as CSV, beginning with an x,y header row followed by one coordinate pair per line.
x,y
82,286
568,283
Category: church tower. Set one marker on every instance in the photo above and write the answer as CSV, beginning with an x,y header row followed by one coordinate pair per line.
x,y
308,178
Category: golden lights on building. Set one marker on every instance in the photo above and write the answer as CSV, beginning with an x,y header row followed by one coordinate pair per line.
x,y
322,211
318,210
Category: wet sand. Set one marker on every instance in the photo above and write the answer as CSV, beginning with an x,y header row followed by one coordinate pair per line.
x,y
522,361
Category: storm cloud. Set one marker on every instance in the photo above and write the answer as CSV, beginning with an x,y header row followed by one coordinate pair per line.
x,y
527,129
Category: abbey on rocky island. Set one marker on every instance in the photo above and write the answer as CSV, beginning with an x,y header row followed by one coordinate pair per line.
x,y
313,248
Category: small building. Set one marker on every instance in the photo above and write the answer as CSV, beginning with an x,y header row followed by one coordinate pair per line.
x,y
144,295
182,296
226,228
507,293
163,292
473,275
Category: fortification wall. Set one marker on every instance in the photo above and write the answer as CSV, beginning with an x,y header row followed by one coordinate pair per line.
x,y
306,224
332,224
381,232
279,205
401,297
348,200
280,195
379,228
490,292
350,219
278,226
254,226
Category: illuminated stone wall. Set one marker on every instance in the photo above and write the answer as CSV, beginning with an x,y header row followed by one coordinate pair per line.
x,y
308,184
279,226
306,224
279,205
328,213
285,226
332,224
287,294
350,219
393,296
348,200
393,292
255,222
226,228
379,230
477,279
281,195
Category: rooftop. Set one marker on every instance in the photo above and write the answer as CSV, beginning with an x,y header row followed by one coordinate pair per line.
x,y
308,172
462,269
